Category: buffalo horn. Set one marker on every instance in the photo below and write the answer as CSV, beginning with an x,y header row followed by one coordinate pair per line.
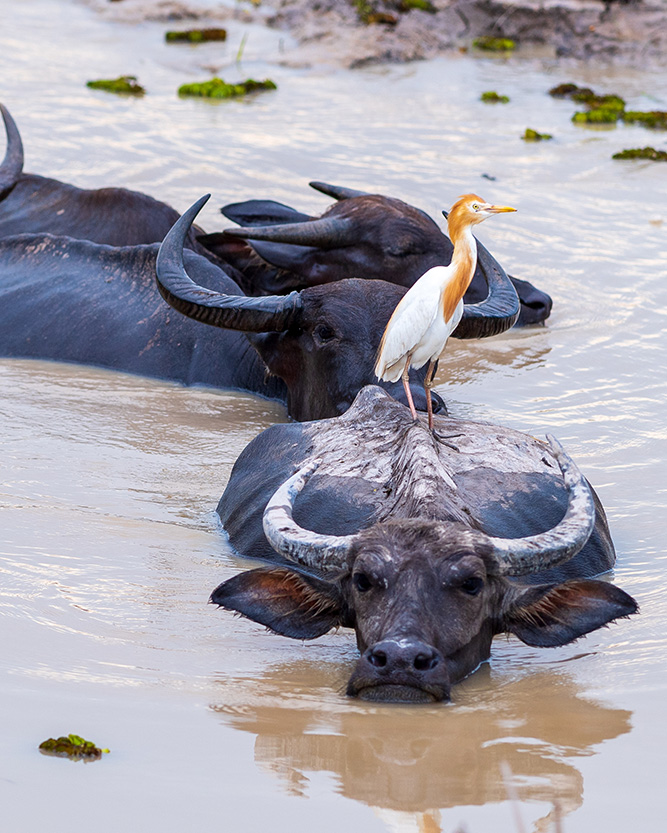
x,y
325,233
520,556
12,165
338,192
233,312
498,311
326,553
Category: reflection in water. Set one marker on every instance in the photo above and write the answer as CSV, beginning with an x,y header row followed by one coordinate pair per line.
x,y
409,762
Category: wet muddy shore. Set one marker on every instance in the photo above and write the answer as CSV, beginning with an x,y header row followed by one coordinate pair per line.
x,y
354,33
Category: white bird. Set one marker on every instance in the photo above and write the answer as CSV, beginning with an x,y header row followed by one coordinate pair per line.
x,y
430,311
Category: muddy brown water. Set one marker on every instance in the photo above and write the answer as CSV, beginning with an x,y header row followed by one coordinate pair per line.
x,y
109,542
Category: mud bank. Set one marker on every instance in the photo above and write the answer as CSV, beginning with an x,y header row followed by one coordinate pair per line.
x,y
334,31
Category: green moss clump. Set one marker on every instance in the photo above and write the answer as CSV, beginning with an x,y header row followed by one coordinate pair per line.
x,y
492,97
124,84
604,102
73,747
494,44
533,136
642,153
369,13
422,5
196,36
656,119
217,88
600,116
563,90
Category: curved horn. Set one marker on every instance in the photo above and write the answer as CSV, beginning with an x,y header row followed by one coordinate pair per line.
x,y
326,553
12,165
498,311
520,556
325,233
338,192
232,312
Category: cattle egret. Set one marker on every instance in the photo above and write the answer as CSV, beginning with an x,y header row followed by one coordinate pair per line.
x,y
430,311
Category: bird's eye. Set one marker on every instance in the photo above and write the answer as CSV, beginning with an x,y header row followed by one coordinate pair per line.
x,y
324,333
475,206
361,582
472,585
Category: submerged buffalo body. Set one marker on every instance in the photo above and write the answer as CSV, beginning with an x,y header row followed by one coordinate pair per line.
x,y
427,546
362,235
385,238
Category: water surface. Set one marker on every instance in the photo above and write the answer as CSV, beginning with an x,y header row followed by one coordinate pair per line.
x,y
108,540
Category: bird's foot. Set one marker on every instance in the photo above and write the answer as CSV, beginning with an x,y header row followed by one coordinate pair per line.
x,y
442,438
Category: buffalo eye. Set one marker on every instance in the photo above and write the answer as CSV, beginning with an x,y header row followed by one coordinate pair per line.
x,y
324,333
361,582
471,585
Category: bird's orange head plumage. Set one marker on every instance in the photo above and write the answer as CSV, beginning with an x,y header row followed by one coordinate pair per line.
x,y
469,210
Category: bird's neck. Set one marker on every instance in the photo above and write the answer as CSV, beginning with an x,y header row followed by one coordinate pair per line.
x,y
462,267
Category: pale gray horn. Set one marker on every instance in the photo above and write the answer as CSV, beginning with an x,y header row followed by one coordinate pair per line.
x,y
322,552
338,192
324,233
520,556
11,167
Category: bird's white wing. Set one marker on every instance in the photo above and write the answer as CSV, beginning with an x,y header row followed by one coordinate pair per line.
x,y
407,326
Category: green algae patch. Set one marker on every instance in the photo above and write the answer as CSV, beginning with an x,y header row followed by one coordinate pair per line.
x,y
217,88
534,136
196,36
564,90
123,85
494,44
642,153
369,14
492,97
73,747
655,119
422,5
601,115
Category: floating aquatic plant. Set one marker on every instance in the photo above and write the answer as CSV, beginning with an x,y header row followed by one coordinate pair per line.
x,y
602,115
642,153
564,90
494,44
73,747
196,36
492,97
655,119
124,84
368,13
217,88
534,136
422,5
601,109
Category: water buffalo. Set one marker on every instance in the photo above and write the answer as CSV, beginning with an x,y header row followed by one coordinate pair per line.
x,y
323,338
427,549
361,235
72,300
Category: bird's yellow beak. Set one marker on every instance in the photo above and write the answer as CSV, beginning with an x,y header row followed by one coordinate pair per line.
x,y
499,209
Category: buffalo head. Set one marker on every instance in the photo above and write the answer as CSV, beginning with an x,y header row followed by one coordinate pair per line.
x,y
321,341
424,597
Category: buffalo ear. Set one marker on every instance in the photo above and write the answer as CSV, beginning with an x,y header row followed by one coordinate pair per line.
x,y
288,603
549,615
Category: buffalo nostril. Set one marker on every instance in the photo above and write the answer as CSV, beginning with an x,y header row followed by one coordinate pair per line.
x,y
424,662
378,659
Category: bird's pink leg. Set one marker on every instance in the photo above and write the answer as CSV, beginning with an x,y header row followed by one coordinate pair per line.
x,y
408,392
428,384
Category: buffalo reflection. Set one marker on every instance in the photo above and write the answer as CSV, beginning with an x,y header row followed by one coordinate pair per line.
x,y
408,762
